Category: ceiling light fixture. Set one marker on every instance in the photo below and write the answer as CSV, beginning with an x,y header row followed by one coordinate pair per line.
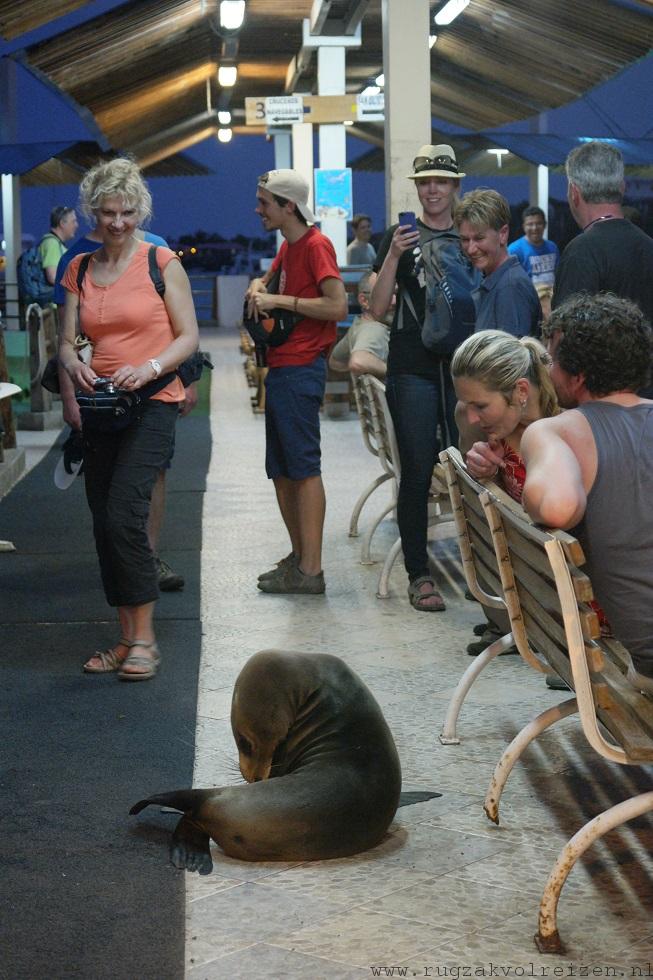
x,y
227,75
432,39
232,14
224,117
499,155
371,90
450,11
380,80
224,135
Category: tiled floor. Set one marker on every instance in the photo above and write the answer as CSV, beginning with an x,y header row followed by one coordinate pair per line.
x,y
447,889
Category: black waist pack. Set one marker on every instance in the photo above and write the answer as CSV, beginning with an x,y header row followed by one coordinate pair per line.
x,y
275,326
111,409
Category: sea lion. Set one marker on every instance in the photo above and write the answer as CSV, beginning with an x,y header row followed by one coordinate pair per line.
x,y
322,770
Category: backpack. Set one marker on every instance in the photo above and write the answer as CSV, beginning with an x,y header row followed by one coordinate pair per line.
x,y
449,314
33,287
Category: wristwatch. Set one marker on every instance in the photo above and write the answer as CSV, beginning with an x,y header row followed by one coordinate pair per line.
x,y
156,367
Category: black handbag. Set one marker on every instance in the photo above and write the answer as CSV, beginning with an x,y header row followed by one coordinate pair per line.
x,y
275,326
111,409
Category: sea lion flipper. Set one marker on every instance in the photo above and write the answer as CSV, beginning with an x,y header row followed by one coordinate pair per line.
x,y
181,799
190,848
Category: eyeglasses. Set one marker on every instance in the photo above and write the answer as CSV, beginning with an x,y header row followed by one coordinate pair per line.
x,y
443,162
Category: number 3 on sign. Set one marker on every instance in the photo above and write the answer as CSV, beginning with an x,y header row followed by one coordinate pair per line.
x,y
260,110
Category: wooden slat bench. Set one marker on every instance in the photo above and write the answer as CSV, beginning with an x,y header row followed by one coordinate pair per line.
x,y
547,595
481,572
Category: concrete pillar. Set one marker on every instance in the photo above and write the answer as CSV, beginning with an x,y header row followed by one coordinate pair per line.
x,y
10,189
332,142
282,158
538,174
407,70
302,154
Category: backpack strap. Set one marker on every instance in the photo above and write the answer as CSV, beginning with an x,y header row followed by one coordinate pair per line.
x,y
81,271
155,272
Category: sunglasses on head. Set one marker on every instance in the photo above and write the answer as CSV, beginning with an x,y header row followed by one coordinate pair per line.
x,y
426,163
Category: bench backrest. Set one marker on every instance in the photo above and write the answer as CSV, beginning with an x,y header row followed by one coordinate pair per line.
x,y
384,429
364,407
548,596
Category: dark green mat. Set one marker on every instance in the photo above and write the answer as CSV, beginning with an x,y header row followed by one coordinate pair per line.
x,y
84,892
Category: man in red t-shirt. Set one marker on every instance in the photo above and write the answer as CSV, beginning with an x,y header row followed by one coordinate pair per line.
x,y
311,286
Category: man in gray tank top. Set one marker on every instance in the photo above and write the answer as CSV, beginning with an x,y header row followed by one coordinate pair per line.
x,y
590,469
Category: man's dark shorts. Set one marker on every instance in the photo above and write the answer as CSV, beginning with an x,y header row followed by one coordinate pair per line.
x,y
292,420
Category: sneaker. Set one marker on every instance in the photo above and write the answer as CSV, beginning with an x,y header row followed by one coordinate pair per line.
x,y
169,581
490,635
290,559
292,581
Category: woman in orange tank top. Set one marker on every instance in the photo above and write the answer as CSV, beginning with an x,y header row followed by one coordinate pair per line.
x,y
137,336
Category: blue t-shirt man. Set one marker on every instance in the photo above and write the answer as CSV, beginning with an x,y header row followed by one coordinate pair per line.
x,y
539,261
538,256
82,245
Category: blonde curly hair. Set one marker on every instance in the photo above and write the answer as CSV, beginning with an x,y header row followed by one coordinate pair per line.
x,y
121,178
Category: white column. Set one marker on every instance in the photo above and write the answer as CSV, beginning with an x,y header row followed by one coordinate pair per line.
x,y
10,189
332,142
538,186
282,158
302,154
13,237
407,70
538,174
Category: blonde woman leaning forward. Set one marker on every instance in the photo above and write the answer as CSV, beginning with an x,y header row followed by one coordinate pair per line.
x,y
503,385
137,337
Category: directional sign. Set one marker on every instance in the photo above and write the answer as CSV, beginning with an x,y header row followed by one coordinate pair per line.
x,y
283,110
370,107
319,109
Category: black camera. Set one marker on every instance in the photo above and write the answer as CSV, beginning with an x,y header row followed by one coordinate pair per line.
x,y
105,384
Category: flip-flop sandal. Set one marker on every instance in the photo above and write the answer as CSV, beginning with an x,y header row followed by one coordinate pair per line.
x,y
417,597
109,659
151,664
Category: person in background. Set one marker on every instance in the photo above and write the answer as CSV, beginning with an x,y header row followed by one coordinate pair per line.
x,y
137,337
310,285
360,251
63,228
538,256
364,348
590,469
419,389
612,254
506,299
169,580
503,385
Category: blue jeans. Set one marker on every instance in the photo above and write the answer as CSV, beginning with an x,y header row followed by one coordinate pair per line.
x,y
422,410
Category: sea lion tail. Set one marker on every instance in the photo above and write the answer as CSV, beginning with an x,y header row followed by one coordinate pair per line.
x,y
184,800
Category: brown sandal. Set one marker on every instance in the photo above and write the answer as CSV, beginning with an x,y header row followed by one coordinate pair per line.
x,y
151,664
417,597
109,659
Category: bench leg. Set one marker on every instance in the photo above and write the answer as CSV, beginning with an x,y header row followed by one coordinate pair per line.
x,y
391,557
358,506
367,540
547,938
515,750
448,735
